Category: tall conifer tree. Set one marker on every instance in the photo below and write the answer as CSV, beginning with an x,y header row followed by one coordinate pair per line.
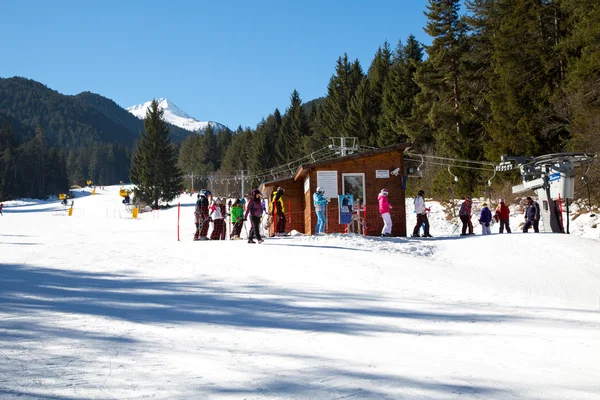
x,y
445,99
522,82
342,86
399,93
294,127
154,168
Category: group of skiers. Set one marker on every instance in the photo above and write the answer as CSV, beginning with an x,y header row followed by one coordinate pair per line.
x,y
209,210
501,215
214,210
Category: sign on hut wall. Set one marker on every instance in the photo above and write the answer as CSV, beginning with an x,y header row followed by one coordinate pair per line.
x,y
328,181
382,174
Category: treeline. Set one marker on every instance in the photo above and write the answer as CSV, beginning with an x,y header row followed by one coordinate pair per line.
x,y
516,77
30,169
35,169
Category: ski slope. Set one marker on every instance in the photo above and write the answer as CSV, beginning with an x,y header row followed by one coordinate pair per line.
x,y
99,306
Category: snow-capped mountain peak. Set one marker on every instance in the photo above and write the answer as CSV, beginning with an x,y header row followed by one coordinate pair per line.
x,y
173,115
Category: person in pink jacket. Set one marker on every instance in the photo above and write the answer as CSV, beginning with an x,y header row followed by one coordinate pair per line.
x,y
384,210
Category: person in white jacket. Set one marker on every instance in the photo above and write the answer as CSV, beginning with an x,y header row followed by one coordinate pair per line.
x,y
421,211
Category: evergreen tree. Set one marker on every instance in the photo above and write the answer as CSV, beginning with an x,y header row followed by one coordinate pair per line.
x,y
399,94
8,163
342,86
272,128
257,162
361,120
316,139
445,99
522,83
209,144
378,73
154,169
39,143
579,97
233,159
294,127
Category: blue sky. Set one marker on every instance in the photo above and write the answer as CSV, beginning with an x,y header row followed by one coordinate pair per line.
x,y
229,61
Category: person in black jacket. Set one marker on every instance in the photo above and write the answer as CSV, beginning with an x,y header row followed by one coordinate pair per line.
x,y
532,216
201,215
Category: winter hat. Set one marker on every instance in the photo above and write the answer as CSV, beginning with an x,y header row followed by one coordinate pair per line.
x,y
320,190
384,192
256,192
421,193
501,200
484,204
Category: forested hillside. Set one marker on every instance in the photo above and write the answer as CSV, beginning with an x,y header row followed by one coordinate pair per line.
x,y
85,137
516,77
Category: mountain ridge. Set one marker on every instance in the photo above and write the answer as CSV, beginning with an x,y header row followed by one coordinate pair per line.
x,y
175,116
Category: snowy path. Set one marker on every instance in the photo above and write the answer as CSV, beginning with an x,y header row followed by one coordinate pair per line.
x,y
107,308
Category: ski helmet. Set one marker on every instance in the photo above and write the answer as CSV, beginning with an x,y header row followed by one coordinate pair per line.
x,y
320,190
384,192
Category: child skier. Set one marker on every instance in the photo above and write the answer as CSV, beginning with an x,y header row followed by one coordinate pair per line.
x,y
503,215
320,202
217,218
465,216
201,215
237,218
384,210
255,209
278,211
485,219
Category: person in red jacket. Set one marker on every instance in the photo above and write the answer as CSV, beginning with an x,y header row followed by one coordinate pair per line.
x,y
502,215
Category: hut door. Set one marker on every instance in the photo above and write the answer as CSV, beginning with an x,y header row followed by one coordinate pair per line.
x,y
354,184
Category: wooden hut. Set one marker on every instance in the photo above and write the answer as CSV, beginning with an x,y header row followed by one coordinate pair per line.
x,y
363,175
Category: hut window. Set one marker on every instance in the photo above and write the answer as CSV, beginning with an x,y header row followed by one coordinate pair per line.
x,y
354,184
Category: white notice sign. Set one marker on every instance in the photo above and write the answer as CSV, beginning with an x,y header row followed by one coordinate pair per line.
x,y
382,173
328,180
307,184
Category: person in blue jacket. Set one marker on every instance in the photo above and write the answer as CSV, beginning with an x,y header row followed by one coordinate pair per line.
x,y
320,202
485,219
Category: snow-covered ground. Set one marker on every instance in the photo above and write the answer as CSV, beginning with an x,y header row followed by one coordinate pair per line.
x,y
99,306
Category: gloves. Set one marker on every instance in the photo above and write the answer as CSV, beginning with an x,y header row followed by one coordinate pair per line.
x,y
487,224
